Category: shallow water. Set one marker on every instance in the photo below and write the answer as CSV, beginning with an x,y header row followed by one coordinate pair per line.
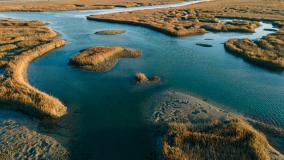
x,y
105,119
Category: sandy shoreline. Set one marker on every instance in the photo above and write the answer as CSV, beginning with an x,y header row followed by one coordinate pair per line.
x,y
175,109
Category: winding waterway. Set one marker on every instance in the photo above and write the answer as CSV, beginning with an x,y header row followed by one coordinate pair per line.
x,y
105,119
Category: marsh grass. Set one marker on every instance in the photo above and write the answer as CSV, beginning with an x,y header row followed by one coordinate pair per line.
x,y
267,52
234,140
189,20
33,41
102,58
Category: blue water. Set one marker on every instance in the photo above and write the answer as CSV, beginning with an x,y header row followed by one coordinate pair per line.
x,y
105,119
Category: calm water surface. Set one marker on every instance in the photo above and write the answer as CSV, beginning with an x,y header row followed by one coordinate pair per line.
x,y
105,119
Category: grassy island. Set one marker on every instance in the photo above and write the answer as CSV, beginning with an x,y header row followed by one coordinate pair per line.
x,y
102,58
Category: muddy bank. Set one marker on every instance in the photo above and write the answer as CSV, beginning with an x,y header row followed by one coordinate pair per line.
x,y
190,128
266,52
19,142
67,5
30,40
102,58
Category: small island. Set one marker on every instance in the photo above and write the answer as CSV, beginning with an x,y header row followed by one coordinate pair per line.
x,y
102,58
141,78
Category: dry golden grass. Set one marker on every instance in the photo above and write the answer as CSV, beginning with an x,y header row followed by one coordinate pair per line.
x,y
32,40
102,58
233,26
141,78
268,51
177,22
247,9
188,128
234,140
198,18
63,5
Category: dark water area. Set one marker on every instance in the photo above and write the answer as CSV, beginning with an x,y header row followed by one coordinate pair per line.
x,y
106,110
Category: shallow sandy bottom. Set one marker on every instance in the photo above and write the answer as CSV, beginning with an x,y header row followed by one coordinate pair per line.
x,y
19,142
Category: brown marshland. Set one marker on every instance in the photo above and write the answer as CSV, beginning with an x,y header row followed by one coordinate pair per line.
x,y
29,40
66,5
102,58
189,128
268,51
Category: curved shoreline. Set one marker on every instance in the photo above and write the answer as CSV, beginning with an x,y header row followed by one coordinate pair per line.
x,y
34,100
34,41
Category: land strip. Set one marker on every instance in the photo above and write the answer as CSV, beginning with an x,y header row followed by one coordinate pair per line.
x,y
67,5
21,42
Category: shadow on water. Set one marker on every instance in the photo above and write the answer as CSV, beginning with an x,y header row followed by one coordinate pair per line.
x,y
113,144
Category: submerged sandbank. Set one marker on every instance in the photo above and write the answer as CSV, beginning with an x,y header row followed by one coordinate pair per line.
x,y
110,32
